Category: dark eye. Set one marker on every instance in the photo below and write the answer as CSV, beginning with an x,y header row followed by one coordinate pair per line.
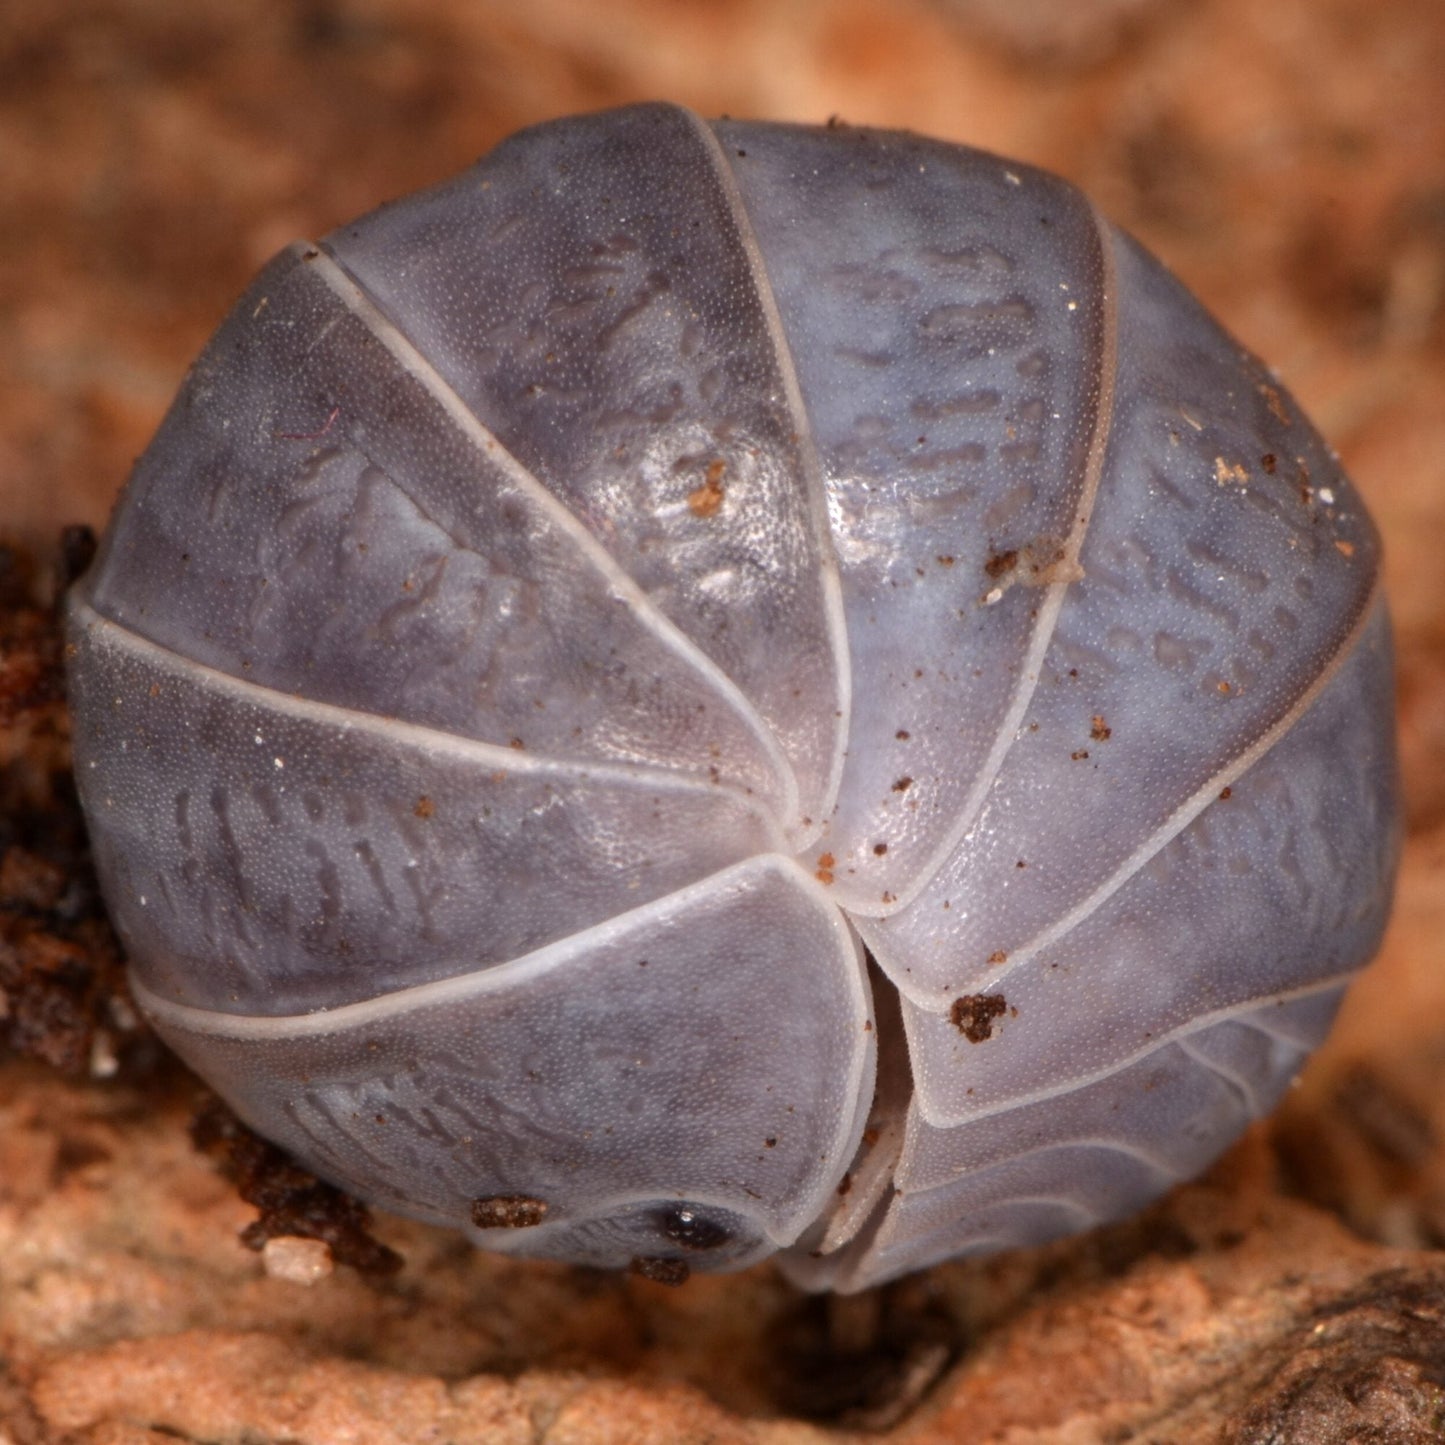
x,y
691,1229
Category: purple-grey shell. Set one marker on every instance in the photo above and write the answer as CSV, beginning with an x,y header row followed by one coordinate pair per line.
x,y
710,689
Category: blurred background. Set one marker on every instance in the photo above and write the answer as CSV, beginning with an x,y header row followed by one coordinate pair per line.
x,y
1285,157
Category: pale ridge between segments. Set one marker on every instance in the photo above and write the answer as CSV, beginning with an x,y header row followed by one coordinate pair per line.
x,y
354,297
830,581
1054,594
1232,1013
488,757
323,1022
1061,1202
1259,1026
1232,1077
1110,1146
1196,802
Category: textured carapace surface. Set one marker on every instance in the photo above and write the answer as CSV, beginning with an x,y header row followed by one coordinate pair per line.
x,y
711,689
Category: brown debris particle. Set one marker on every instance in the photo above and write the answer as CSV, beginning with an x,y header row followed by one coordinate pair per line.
x,y
706,500
1226,793
425,808
1275,402
508,1211
1269,462
1041,563
290,1200
1345,549
879,849
973,1014
661,1271
1000,564
1099,730
903,784
1229,473
826,864
1080,755
998,956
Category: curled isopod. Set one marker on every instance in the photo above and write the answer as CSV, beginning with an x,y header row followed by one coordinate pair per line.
x,y
706,690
